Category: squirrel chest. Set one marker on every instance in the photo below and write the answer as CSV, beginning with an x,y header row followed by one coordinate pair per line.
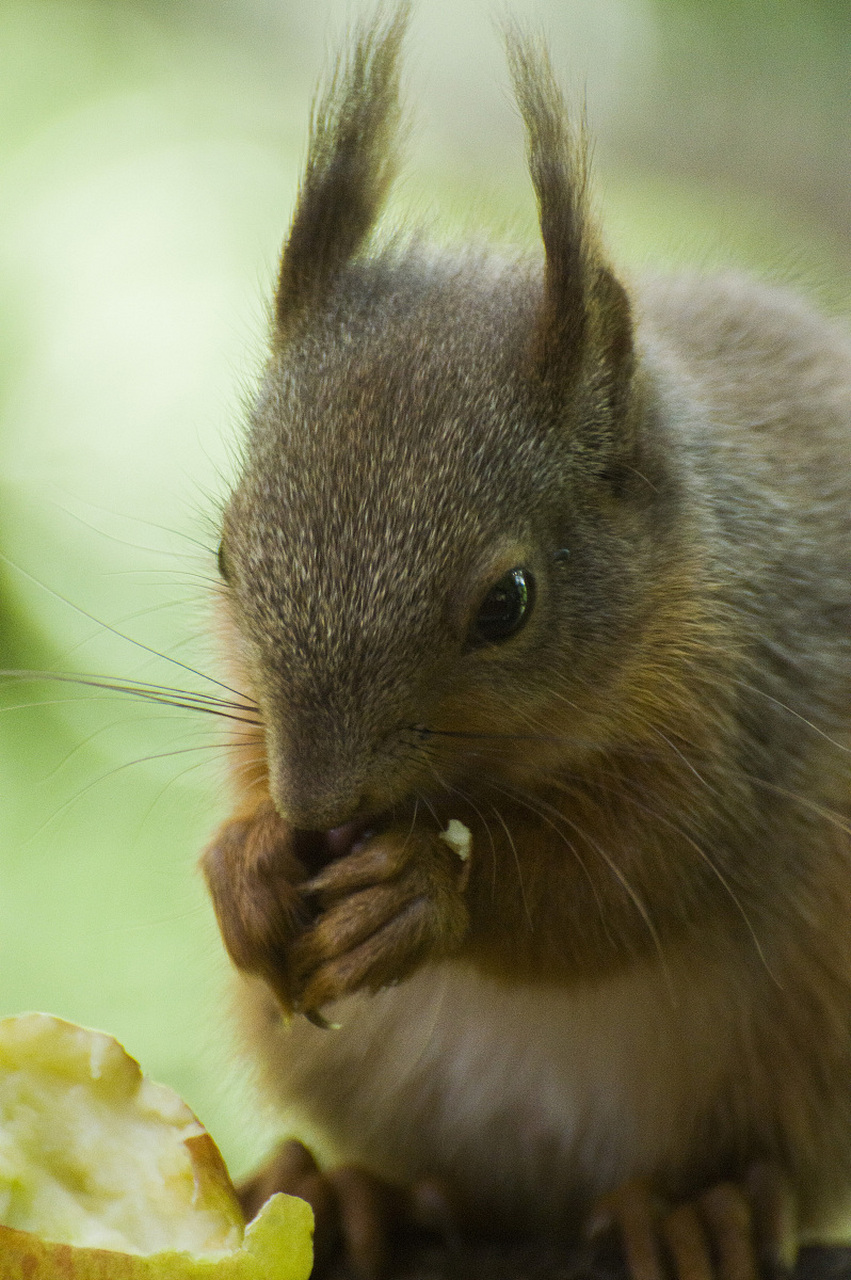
x,y
530,1100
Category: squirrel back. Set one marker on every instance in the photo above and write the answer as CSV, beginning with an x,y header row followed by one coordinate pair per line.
x,y
565,559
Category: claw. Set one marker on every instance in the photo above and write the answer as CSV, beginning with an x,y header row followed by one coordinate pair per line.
x,y
317,1020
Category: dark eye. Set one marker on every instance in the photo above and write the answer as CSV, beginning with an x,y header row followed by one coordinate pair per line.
x,y
222,563
505,608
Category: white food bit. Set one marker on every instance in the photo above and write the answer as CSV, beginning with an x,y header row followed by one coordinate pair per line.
x,y
458,837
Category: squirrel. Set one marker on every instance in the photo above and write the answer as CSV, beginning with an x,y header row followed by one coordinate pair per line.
x,y
565,560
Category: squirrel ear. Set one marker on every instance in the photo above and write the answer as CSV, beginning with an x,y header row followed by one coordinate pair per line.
x,y
350,164
585,311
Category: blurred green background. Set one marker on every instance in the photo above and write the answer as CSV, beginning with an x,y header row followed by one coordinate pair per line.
x,y
149,154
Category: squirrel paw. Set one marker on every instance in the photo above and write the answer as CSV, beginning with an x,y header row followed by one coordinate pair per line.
x,y
732,1231
252,873
385,908
356,1214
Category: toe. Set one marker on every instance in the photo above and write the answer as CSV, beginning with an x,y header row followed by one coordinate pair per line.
x,y
727,1215
288,1165
775,1221
631,1213
687,1246
368,1209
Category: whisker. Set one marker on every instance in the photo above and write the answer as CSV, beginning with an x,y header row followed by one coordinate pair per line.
x,y
489,737
628,889
522,887
413,822
150,524
558,739
521,797
147,692
176,777
466,798
431,810
147,611
802,719
110,773
139,644
22,674
838,820
633,800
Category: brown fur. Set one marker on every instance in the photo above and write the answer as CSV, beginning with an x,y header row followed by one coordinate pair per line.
x,y
645,968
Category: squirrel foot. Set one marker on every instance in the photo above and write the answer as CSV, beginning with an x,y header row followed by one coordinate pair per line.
x,y
733,1231
356,1213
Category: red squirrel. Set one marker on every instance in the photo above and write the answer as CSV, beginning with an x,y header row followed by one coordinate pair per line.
x,y
540,582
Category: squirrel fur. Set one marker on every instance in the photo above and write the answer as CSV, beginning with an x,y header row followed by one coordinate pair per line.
x,y
644,968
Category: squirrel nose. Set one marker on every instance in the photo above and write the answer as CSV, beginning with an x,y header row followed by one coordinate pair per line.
x,y
332,814
320,787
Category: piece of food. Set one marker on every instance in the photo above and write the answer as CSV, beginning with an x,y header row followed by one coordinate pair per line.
x,y
104,1174
277,1246
458,837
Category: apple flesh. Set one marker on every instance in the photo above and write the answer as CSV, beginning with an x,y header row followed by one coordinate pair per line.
x,y
104,1173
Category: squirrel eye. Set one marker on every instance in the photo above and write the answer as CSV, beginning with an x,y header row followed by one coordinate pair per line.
x,y
506,607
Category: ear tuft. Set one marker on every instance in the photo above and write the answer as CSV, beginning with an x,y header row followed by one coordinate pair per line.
x,y
583,304
350,164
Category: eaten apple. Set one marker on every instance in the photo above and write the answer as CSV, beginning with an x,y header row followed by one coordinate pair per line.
x,y
105,1175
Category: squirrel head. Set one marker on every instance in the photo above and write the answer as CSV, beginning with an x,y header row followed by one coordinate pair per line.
x,y
436,556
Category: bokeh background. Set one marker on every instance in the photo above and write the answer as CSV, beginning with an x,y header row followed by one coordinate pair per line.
x,y
149,156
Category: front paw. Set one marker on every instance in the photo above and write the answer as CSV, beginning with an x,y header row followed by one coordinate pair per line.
x,y
385,908
252,874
